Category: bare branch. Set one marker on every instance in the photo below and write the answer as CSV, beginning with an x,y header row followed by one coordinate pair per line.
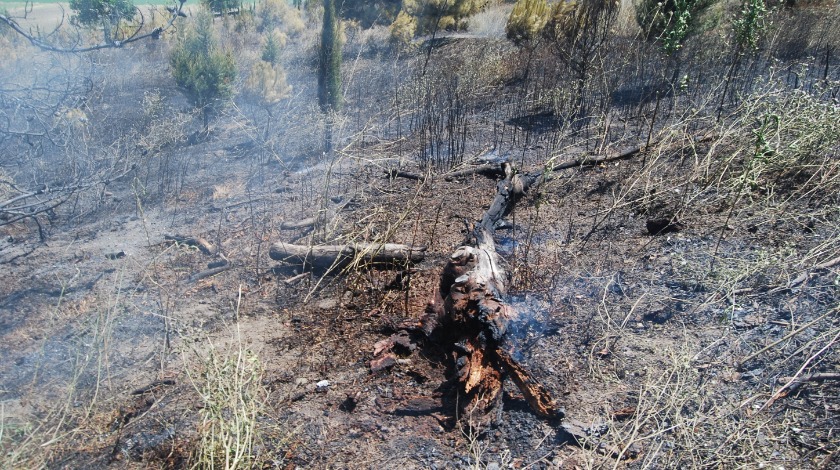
x,y
45,45
20,207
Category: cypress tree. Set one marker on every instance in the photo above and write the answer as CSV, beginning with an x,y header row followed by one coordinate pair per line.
x,y
329,64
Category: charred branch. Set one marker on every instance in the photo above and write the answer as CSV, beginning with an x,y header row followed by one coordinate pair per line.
x,y
488,170
404,174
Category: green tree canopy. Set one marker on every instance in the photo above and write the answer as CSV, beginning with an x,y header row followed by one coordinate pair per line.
x,y
428,15
202,70
222,7
93,12
105,13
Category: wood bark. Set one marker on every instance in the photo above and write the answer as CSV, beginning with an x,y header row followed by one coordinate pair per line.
x,y
339,256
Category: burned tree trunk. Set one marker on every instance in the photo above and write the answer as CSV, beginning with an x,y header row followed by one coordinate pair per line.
x,y
470,300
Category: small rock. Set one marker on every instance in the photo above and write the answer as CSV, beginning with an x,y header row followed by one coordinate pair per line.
x,y
327,304
385,362
322,386
300,381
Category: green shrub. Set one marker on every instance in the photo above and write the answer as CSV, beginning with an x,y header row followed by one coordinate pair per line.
x,y
267,83
202,70
750,24
403,29
371,12
433,15
670,22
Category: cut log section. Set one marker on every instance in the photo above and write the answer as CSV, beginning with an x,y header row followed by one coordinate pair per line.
x,y
340,256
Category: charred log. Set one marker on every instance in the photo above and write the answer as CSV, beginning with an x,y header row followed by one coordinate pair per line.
x,y
470,301
340,256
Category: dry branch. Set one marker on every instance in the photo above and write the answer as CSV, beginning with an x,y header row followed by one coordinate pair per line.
x,y
807,275
338,256
318,220
296,224
203,245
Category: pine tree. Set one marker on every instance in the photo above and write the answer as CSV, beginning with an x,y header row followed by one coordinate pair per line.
x,y
201,69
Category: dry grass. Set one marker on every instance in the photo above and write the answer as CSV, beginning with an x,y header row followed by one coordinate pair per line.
x,y
229,383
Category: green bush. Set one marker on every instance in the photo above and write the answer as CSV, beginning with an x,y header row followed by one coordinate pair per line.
x,y
202,70
402,29
371,12
433,15
670,22
750,24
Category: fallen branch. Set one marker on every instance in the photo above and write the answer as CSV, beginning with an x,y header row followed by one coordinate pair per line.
x,y
590,437
303,223
296,278
154,386
594,161
208,273
786,337
535,394
339,256
806,275
783,391
793,383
